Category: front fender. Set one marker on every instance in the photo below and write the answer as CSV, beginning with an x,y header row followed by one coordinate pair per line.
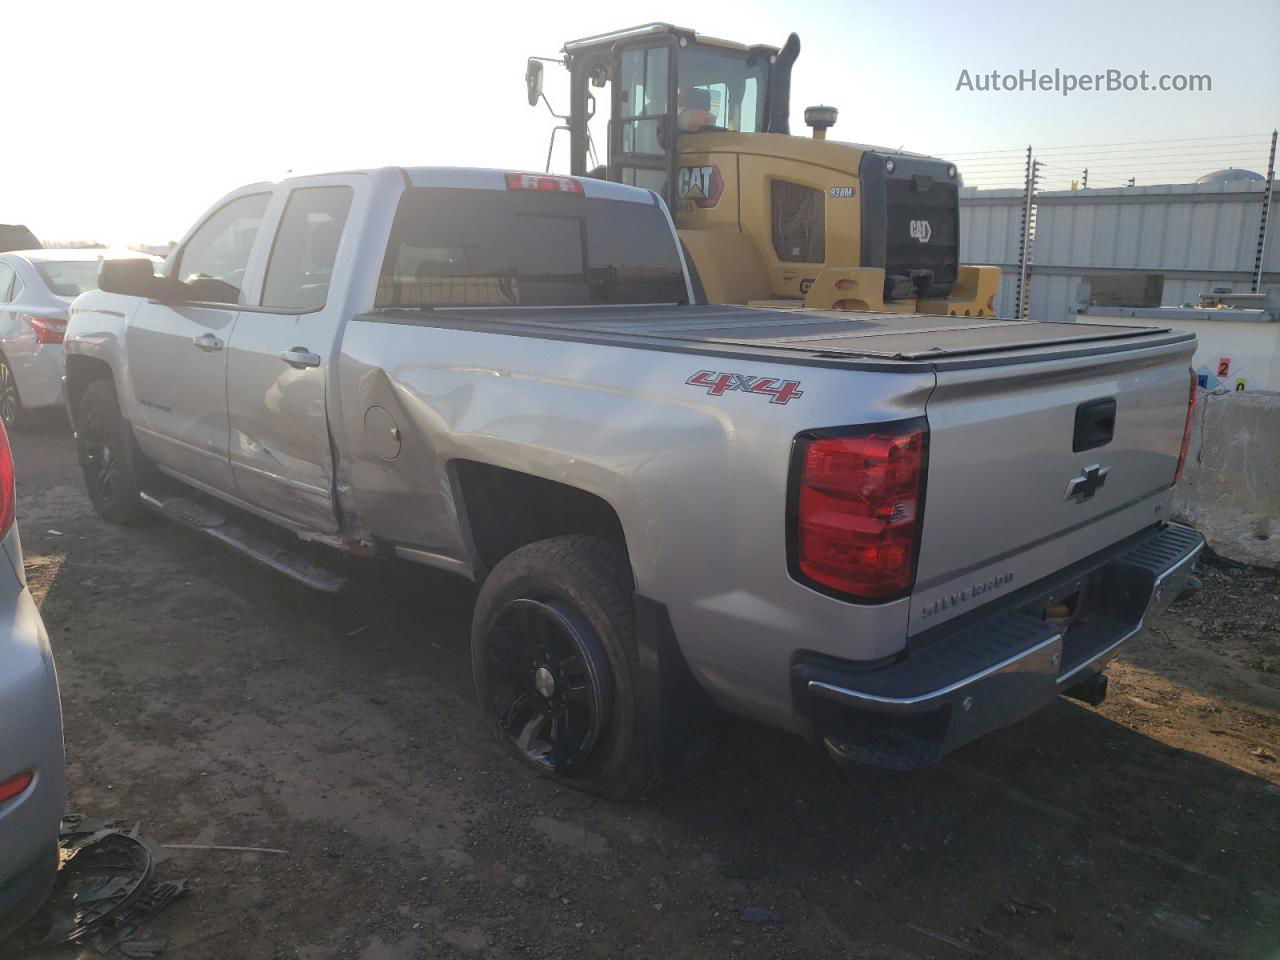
x,y
96,326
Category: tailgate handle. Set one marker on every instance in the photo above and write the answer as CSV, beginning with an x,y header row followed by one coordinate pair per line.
x,y
1095,424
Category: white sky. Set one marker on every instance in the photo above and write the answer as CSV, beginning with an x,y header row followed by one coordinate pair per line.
x,y
139,115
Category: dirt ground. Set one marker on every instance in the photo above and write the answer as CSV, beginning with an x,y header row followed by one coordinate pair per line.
x,y
219,704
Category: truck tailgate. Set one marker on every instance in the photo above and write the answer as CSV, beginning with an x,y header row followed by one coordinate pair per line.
x,y
1034,466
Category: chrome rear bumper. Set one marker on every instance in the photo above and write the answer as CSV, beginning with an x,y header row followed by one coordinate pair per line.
x,y
997,670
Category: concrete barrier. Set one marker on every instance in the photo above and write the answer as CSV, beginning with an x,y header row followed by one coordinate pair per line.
x,y
1230,489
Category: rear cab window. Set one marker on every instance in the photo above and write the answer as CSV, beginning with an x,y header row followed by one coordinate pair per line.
x,y
457,247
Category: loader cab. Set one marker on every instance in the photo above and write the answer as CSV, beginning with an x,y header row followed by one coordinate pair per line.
x,y
763,218
661,82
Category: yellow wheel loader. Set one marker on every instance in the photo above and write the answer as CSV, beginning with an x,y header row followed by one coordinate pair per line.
x,y
766,216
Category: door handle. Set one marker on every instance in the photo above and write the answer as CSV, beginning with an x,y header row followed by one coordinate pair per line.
x,y
207,342
301,358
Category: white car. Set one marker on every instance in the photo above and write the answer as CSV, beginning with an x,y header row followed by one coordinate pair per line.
x,y
36,288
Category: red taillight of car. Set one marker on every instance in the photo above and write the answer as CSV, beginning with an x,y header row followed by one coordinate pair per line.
x,y
543,181
6,483
857,506
48,329
14,786
1186,431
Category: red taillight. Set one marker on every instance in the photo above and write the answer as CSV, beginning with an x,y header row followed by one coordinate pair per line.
x,y
15,785
543,181
6,483
1186,431
858,509
48,329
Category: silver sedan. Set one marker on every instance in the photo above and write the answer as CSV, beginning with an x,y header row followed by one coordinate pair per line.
x,y
36,288
32,778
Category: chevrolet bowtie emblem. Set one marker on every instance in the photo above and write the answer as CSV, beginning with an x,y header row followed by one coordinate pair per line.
x,y
1090,481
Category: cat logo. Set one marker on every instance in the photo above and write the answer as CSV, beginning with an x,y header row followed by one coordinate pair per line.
x,y
701,186
921,230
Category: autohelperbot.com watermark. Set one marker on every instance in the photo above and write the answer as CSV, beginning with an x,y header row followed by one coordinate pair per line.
x,y
1065,82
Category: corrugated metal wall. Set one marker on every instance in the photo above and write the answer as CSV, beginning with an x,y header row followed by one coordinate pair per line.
x,y
1199,236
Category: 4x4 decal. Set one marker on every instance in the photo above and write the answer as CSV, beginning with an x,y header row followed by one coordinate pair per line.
x,y
778,391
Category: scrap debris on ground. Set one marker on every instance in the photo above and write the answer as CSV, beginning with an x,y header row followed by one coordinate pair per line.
x,y
106,890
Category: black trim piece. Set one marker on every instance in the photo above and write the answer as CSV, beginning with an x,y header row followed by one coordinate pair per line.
x,y
795,470
875,209
1095,424
778,103
680,716
733,350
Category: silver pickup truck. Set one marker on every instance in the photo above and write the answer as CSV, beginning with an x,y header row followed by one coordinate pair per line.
x,y
889,533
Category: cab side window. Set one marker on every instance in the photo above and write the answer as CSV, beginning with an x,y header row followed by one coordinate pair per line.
x,y
213,262
305,248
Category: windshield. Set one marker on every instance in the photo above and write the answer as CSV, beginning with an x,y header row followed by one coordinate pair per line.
x,y
721,90
69,278
457,247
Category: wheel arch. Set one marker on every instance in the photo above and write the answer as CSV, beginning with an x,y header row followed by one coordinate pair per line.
x,y
501,510
80,371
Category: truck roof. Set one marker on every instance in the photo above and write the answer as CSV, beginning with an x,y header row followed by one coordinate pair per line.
x,y
478,178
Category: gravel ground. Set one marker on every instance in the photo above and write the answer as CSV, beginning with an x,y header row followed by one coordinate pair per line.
x,y
220,704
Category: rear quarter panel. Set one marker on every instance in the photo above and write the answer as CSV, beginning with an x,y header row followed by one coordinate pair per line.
x,y
698,481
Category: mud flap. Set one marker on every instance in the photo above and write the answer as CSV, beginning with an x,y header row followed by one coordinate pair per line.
x,y
681,720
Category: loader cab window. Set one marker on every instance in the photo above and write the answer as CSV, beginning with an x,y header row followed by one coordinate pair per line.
x,y
720,89
643,99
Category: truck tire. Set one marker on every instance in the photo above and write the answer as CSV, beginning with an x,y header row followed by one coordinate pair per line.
x,y
556,663
109,456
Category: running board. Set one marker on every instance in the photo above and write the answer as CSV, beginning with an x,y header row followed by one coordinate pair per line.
x,y
208,521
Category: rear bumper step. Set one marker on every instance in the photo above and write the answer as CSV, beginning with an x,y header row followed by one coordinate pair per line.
x,y
210,522
995,672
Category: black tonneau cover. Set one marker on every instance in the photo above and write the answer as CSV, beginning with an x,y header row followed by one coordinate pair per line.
x,y
826,338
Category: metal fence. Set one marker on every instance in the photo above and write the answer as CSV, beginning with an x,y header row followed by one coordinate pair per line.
x,y
1195,236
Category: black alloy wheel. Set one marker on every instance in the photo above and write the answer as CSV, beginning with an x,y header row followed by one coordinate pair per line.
x,y
550,680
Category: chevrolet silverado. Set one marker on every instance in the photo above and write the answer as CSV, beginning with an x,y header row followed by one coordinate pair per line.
x,y
888,533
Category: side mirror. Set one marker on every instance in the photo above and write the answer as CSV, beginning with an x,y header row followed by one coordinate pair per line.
x,y
533,81
136,278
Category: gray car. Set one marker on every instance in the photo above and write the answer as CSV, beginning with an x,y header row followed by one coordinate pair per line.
x,y
36,287
32,779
